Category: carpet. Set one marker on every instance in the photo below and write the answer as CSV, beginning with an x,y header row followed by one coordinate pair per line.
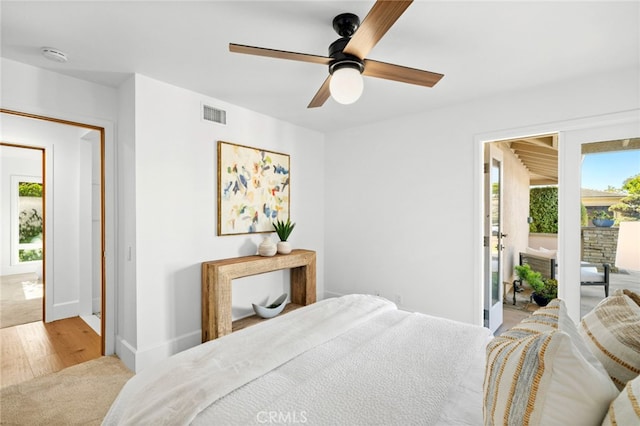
x,y
20,299
81,394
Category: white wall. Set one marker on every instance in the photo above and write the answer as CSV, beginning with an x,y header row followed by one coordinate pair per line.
x,y
89,223
405,214
515,211
175,210
127,301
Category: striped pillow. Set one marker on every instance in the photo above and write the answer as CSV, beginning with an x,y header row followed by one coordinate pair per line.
x,y
543,379
625,409
612,332
554,316
541,372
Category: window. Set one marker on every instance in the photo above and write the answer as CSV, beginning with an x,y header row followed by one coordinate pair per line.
x,y
29,218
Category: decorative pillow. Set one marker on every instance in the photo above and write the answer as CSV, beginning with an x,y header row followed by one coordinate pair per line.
x,y
543,380
552,253
552,317
541,372
612,332
632,295
625,409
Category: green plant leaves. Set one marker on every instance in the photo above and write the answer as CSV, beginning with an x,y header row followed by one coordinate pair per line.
x,y
283,229
543,208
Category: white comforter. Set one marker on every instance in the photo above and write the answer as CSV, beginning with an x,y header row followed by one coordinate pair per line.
x,y
351,360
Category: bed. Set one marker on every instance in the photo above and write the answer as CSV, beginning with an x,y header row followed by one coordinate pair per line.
x,y
358,360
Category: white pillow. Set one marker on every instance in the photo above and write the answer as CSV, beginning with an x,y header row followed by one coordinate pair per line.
x,y
540,372
546,250
549,254
624,410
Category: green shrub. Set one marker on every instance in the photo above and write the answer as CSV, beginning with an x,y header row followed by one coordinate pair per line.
x,y
29,226
543,208
29,189
30,255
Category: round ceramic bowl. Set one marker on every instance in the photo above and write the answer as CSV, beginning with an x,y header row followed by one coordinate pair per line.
x,y
271,310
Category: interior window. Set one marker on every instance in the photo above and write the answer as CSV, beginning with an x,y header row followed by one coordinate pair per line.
x,y
29,219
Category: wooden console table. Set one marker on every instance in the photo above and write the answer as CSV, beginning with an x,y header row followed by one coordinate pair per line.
x,y
216,285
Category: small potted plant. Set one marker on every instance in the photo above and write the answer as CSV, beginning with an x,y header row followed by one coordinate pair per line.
x,y
284,229
544,289
546,293
602,219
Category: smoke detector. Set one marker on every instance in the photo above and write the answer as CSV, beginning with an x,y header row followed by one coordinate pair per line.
x,y
54,54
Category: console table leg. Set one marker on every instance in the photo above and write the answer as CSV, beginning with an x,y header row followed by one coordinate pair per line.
x,y
303,284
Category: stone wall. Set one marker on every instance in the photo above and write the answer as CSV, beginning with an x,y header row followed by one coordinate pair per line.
x,y
599,245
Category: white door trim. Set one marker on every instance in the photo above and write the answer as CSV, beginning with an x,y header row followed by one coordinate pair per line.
x,y
571,135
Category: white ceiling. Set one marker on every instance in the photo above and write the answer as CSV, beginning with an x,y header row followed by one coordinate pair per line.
x,y
482,48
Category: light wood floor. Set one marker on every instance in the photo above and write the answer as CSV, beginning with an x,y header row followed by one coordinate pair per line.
x,y
34,349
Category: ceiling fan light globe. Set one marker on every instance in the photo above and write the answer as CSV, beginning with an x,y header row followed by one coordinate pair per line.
x,y
346,85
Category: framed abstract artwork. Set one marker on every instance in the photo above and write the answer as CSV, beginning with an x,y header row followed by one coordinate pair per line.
x,y
253,189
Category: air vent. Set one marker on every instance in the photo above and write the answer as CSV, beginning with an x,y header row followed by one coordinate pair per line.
x,y
216,115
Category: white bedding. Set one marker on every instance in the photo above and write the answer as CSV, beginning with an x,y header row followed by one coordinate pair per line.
x,y
351,360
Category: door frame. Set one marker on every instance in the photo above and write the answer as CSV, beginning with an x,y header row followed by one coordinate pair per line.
x,y
103,267
571,135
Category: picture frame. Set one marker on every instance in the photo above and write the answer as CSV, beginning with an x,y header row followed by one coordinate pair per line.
x,y
253,189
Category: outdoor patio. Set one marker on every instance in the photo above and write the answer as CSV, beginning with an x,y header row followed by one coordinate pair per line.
x,y
590,296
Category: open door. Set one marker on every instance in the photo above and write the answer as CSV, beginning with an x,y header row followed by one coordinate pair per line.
x,y
493,246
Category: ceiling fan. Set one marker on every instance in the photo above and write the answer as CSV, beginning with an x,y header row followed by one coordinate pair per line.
x,y
346,60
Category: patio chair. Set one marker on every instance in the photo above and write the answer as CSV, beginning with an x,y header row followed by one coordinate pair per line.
x,y
589,275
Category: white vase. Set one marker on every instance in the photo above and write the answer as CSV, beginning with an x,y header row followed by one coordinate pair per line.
x,y
267,247
284,247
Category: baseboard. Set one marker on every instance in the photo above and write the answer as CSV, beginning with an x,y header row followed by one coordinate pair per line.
x,y
126,353
93,322
139,359
64,310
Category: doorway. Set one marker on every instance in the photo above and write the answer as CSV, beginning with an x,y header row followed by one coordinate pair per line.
x,y
512,167
73,170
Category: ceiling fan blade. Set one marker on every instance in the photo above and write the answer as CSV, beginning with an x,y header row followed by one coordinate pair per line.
x,y
380,18
280,54
400,73
321,95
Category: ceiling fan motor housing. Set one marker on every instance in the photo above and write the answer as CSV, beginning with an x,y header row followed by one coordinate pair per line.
x,y
341,59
